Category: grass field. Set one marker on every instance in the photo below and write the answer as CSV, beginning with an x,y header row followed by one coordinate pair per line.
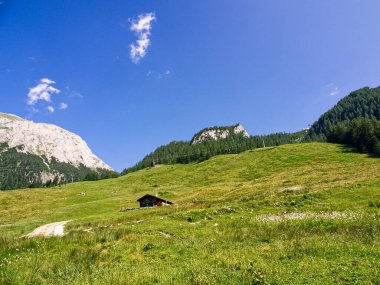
x,y
294,214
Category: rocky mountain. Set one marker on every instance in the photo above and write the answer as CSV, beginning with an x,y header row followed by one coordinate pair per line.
x,y
32,154
216,133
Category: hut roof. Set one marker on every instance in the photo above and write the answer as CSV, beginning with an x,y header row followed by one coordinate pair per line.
x,y
155,197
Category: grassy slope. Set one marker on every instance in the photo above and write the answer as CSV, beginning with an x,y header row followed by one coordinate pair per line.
x,y
211,235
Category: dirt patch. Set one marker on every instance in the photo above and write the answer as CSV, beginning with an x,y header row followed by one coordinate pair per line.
x,y
49,230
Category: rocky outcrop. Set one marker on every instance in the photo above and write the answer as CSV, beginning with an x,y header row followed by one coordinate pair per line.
x,y
217,133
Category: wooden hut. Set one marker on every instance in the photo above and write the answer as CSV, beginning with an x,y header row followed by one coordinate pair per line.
x,y
152,201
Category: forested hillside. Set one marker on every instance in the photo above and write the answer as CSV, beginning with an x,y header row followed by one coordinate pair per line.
x,y
25,170
362,103
354,121
186,152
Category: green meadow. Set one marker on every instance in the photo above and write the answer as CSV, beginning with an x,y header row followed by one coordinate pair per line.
x,y
293,214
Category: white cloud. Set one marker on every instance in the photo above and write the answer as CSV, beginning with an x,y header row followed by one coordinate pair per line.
x,y
43,91
50,109
167,72
142,28
144,22
335,91
63,106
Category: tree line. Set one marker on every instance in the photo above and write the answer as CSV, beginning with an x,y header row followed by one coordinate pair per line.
x,y
185,152
361,133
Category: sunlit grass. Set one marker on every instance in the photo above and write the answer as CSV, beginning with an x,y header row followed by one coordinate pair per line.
x,y
213,233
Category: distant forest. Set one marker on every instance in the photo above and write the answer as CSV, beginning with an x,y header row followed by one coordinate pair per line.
x,y
186,152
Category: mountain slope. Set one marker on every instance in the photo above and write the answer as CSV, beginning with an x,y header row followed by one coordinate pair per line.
x,y
294,214
35,153
362,103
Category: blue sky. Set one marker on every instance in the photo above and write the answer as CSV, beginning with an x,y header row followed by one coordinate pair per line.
x,y
271,65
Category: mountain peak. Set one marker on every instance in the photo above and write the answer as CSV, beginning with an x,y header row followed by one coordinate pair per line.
x,y
48,141
217,133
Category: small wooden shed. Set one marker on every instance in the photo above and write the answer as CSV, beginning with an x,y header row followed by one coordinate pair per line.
x,y
152,201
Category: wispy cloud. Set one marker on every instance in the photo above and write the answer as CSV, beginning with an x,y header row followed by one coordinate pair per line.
x,y
63,106
332,89
43,91
142,28
50,109
72,93
159,74
335,91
